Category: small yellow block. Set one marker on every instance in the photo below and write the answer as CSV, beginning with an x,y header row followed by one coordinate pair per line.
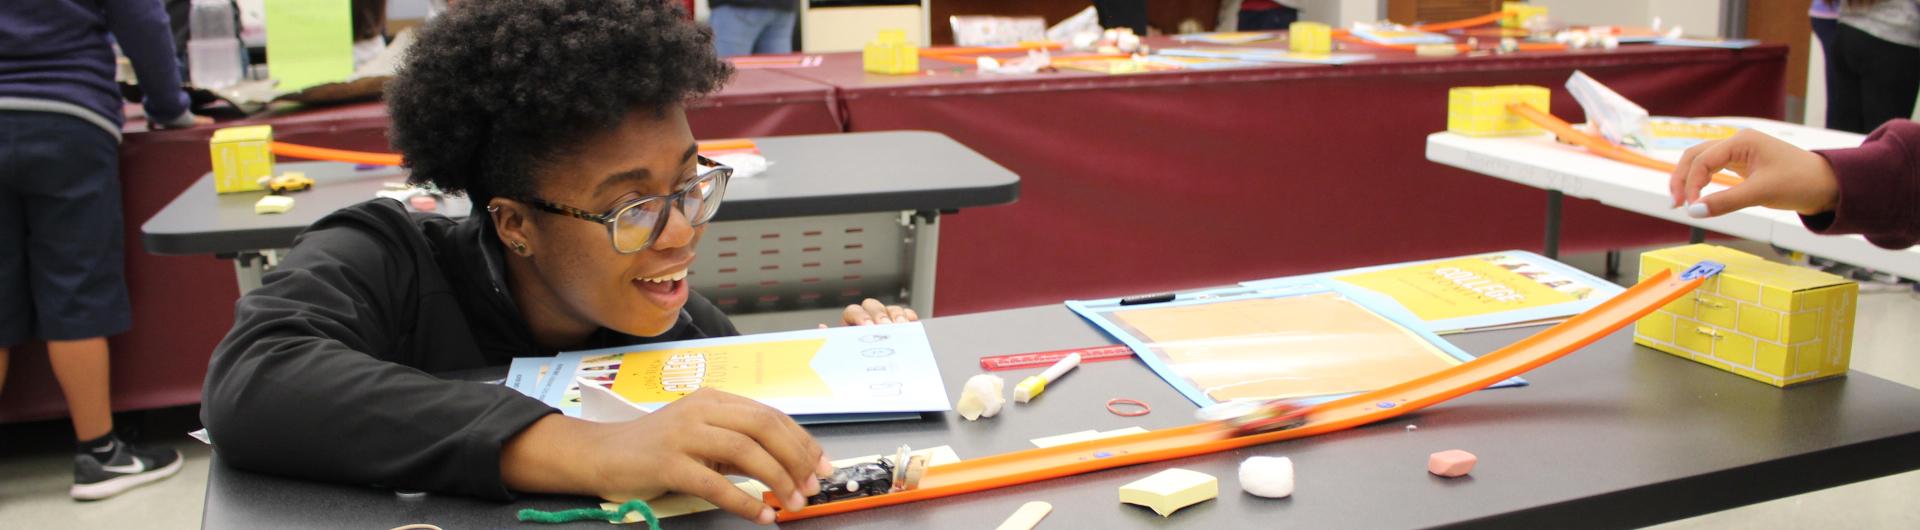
x,y
1309,37
241,157
890,53
1171,490
1518,13
273,204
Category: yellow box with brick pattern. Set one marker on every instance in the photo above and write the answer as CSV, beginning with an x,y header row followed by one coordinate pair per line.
x,y
1769,322
1482,110
1310,37
1518,13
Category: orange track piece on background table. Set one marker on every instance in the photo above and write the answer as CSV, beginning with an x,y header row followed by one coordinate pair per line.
x,y
1600,146
1033,465
335,155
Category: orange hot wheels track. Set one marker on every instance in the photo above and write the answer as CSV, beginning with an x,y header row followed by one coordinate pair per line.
x,y
1600,146
1053,462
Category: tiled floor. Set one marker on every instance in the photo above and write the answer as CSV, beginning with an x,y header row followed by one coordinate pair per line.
x,y
36,465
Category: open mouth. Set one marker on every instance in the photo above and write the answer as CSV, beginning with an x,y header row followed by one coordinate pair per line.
x,y
667,290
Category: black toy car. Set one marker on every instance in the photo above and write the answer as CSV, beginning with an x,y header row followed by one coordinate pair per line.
x,y
858,480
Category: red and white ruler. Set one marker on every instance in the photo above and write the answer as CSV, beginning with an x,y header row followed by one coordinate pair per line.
x,y
1046,358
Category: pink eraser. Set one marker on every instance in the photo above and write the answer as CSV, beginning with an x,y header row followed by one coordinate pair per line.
x,y
1451,463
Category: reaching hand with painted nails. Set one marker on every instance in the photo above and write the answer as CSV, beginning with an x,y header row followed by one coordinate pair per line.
x,y
1778,175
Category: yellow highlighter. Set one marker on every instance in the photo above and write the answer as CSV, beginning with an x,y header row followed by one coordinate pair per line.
x,y
1032,386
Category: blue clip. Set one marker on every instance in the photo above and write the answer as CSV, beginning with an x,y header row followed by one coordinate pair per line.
x,y
1702,270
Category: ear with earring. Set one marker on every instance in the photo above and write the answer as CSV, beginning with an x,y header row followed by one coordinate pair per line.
x,y
519,247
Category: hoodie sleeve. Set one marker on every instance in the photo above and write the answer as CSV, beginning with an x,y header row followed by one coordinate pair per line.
x,y
145,35
1879,188
307,384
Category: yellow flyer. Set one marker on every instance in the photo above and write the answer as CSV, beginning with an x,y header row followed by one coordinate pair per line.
x,y
1475,292
849,370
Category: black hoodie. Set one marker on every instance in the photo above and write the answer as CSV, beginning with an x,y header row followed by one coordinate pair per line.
x,y
327,373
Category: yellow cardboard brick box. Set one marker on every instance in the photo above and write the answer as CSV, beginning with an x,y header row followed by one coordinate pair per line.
x,y
1774,323
1482,110
1518,13
241,156
890,53
1310,37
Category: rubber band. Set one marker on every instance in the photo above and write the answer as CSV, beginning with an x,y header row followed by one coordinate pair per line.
x,y
417,526
1144,409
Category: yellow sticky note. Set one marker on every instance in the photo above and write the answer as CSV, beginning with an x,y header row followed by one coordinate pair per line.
x,y
309,42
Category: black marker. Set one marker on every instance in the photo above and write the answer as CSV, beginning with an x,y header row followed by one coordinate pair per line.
x,y
1147,299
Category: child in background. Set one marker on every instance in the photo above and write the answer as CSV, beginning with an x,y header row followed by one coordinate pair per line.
x,y
61,270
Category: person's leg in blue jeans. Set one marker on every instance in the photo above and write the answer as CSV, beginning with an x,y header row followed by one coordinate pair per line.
x,y
777,35
735,29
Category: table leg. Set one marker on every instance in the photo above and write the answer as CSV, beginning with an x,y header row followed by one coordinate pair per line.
x,y
925,239
1552,248
1697,235
249,266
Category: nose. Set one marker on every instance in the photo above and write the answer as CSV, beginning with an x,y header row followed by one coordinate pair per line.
x,y
679,231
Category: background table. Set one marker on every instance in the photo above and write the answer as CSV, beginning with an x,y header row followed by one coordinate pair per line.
x,y
1181,179
1614,435
1539,162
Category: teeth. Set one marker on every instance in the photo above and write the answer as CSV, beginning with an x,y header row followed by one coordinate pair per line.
x,y
673,277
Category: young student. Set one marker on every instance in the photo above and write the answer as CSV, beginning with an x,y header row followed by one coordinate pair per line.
x,y
1873,189
563,120
61,271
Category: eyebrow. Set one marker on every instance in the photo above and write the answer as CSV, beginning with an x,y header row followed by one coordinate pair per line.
x,y
639,174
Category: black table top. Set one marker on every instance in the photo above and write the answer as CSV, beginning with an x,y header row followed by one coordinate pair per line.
x,y
810,175
1613,435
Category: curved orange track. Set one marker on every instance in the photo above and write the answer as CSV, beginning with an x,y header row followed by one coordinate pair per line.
x,y
1600,146
1032,465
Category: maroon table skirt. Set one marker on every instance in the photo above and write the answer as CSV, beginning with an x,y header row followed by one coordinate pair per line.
x,y
1160,181
183,305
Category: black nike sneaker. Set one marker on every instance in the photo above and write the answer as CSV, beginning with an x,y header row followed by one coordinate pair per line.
x,y
130,467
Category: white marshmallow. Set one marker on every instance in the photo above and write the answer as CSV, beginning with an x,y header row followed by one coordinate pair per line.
x,y
982,396
1267,476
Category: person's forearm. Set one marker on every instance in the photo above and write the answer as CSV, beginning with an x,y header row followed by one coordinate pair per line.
x,y
548,457
145,36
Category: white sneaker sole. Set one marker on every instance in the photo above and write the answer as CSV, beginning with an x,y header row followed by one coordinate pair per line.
x,y
118,485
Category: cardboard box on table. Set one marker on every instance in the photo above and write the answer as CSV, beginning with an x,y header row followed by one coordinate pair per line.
x,y
1482,110
241,156
1770,322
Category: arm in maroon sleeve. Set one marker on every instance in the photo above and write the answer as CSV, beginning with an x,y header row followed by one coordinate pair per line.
x,y
1879,188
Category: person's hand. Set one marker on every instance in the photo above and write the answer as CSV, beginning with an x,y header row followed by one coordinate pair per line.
x,y
686,446
1777,175
689,444
872,312
185,121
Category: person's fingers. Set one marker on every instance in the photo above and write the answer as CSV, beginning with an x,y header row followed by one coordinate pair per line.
x,y
1703,165
696,480
1734,198
854,315
912,316
877,311
823,326
897,314
738,452
777,434
1676,181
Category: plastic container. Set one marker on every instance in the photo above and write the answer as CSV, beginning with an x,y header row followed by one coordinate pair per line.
x,y
215,57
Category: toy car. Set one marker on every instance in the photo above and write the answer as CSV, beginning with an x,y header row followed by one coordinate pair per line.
x,y
1275,415
858,480
290,182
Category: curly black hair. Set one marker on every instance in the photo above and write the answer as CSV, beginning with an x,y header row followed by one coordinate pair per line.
x,y
493,89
